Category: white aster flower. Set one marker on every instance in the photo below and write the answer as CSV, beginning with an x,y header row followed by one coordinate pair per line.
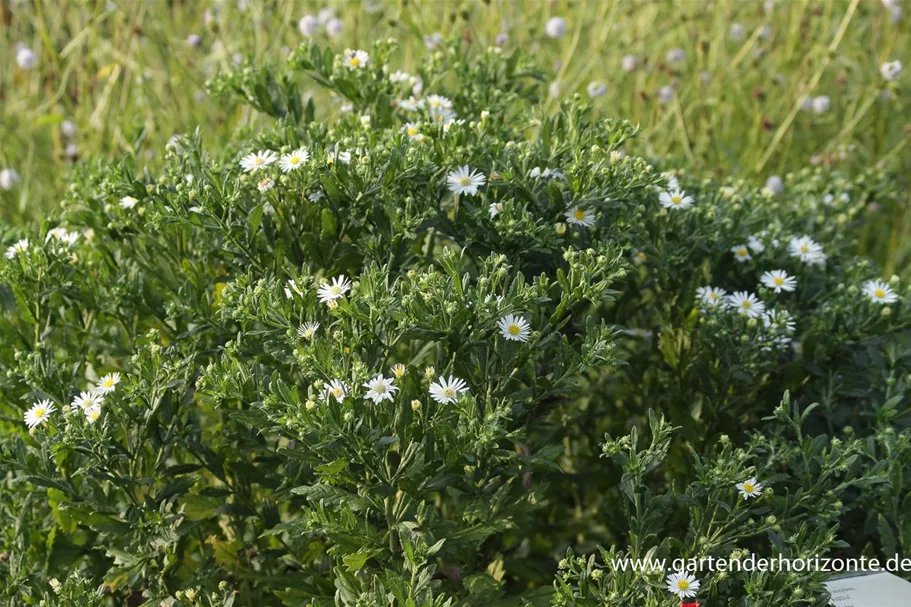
x,y
356,59
514,328
807,250
711,296
629,63
87,400
399,76
780,320
258,160
294,160
265,184
108,383
334,27
343,157
413,130
465,180
741,253
20,246
128,202
774,185
580,217
445,391
63,236
399,370
682,584
380,388
778,281
336,389
334,290
92,414
411,104
26,58
746,304
39,413
308,330
750,488
755,244
879,292
677,199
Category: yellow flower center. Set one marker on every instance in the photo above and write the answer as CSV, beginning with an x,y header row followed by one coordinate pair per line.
x,y
804,249
579,214
355,62
778,280
294,160
747,305
676,199
448,392
258,161
109,382
379,388
337,393
465,181
412,131
683,584
94,415
39,413
513,329
742,252
748,487
879,293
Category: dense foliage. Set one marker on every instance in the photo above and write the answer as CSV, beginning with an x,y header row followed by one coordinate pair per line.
x,y
448,350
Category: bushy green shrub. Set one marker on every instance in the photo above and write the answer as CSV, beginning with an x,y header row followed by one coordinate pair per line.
x,y
386,361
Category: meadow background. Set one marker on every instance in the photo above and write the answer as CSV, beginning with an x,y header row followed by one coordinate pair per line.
x,y
725,87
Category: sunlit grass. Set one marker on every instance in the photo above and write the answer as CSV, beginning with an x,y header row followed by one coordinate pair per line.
x,y
128,78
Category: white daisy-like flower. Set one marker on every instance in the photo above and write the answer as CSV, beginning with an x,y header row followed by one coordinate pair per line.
x,y
291,288
880,292
39,413
807,250
437,102
580,217
308,25
445,391
294,160
334,290
26,58
336,389
108,383
92,414
546,173
774,185
891,70
780,320
87,400
399,370
711,296
746,304
444,117
411,104
128,202
676,199
413,130
308,330
755,244
629,63
514,328
778,281
682,584
399,76
380,388
20,246
265,184
750,488
258,160
9,178
343,157
495,209
741,253
465,180
356,59
821,104
62,235
334,27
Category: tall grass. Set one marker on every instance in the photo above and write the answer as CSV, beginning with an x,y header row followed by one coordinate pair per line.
x,y
126,76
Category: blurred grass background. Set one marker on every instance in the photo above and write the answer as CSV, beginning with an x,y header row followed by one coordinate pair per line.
x,y
720,87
